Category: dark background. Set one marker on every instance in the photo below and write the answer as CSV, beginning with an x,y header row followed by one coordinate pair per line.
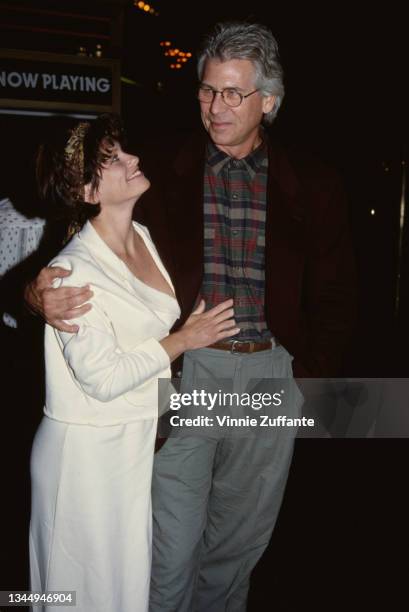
x,y
344,516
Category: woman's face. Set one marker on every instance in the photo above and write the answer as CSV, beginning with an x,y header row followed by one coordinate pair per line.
x,y
121,179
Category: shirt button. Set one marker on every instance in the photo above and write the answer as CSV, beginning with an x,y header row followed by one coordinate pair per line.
x,y
235,232
235,196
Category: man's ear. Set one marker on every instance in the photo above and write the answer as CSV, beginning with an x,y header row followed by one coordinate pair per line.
x,y
89,195
268,103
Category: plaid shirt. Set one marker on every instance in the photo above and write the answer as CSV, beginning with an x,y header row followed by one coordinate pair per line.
x,y
234,236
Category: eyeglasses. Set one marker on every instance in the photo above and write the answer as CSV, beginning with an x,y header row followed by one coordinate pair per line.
x,y
230,96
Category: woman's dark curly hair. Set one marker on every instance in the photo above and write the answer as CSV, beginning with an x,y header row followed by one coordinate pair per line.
x,y
70,161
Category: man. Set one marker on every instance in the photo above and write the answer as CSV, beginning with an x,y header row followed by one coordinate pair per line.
x,y
236,216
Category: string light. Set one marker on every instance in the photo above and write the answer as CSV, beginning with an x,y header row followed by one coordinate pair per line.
x,y
146,8
180,57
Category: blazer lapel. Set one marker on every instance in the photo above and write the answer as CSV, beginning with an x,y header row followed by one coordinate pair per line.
x,y
285,211
285,238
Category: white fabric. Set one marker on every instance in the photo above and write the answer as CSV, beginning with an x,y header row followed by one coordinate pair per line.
x,y
90,529
115,358
92,460
19,237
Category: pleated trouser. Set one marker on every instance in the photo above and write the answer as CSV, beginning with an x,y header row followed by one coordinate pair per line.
x,y
216,498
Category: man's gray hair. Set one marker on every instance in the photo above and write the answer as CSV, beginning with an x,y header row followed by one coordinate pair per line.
x,y
247,41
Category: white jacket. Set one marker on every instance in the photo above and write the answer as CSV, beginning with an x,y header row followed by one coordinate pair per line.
x,y
107,373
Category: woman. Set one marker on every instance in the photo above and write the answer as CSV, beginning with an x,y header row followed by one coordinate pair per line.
x,y
92,455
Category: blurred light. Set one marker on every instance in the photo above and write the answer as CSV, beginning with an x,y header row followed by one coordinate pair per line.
x,y
147,8
181,57
128,81
372,211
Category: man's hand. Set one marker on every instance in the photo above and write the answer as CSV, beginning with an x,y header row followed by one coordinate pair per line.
x,y
57,305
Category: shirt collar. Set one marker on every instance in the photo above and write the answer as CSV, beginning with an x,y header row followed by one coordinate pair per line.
x,y
252,163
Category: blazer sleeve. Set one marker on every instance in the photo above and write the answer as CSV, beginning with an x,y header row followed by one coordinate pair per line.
x,y
102,369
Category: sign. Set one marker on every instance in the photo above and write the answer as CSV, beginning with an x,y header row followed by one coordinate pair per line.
x,y
46,81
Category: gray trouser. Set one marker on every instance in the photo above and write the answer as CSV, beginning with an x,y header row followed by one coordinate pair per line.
x,y
216,499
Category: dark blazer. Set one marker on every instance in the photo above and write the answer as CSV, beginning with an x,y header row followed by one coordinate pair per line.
x,y
309,266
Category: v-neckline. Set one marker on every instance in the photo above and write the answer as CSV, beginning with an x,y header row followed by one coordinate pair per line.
x,y
122,267
156,262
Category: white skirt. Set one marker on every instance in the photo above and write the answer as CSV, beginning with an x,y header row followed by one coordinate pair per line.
x,y
91,526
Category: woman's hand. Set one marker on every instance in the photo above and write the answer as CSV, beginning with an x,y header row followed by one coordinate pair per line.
x,y
57,305
202,328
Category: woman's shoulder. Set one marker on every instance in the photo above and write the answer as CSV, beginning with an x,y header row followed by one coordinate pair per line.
x,y
73,250
76,258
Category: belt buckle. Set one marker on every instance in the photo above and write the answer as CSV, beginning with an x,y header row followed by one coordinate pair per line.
x,y
233,344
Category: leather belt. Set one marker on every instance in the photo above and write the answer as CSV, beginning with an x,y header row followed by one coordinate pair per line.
x,y
242,346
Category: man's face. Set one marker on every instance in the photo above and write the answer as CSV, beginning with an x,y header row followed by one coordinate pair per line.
x,y
234,130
